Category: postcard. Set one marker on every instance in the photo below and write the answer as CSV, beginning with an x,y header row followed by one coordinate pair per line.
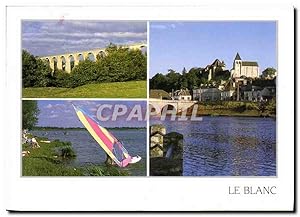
x,y
150,108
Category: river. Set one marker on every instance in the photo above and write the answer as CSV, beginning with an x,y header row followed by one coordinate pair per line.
x,y
227,146
90,153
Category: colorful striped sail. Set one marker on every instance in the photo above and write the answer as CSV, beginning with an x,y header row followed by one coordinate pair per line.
x,y
112,146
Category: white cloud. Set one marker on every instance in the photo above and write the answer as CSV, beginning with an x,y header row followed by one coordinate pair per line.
x,y
49,106
164,26
63,36
159,26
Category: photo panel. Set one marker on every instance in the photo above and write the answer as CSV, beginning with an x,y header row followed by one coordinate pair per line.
x,y
213,98
84,59
84,138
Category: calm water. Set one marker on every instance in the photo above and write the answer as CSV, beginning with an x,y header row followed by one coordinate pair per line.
x,y
227,146
89,152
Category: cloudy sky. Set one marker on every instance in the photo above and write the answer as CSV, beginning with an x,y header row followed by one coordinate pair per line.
x,y
46,37
174,45
60,113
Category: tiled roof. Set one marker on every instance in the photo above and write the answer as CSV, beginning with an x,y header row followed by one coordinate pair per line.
x,y
249,63
237,57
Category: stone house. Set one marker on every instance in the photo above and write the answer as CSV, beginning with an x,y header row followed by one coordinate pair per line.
x,y
182,95
251,93
268,93
207,94
212,68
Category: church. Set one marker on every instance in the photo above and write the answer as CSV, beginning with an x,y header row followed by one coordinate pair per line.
x,y
241,68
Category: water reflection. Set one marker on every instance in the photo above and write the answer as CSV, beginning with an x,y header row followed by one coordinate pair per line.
x,y
227,146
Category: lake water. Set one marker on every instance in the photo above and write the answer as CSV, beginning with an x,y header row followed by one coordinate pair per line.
x,y
89,152
227,146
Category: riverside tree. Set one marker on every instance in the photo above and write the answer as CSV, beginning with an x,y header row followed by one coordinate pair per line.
x,y
30,113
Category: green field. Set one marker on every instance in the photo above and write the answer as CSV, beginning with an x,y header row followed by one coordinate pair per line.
x,y
130,89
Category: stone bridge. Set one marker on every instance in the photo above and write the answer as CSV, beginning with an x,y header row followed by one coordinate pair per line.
x,y
67,61
177,105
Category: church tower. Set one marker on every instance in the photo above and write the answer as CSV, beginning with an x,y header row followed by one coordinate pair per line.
x,y
237,65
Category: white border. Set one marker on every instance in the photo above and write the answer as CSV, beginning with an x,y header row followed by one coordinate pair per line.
x,y
154,193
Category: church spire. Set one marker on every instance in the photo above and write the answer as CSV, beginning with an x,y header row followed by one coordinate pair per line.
x,y
237,57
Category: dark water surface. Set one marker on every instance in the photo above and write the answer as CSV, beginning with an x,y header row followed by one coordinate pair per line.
x,y
89,152
227,146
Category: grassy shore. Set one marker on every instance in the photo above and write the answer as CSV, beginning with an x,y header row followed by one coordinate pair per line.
x,y
52,159
234,108
130,89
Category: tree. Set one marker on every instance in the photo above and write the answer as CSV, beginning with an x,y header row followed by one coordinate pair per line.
x,y
30,113
35,72
158,81
173,81
269,73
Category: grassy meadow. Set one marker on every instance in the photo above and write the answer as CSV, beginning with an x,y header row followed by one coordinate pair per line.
x,y
130,89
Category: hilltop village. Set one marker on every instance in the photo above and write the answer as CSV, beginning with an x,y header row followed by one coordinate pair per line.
x,y
243,82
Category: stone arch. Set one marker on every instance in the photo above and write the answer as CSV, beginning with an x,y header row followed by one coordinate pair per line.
x,y
62,63
154,109
46,60
143,49
79,57
168,108
70,63
53,63
101,54
90,56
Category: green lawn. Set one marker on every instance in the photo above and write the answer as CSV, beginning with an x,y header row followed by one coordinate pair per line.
x,y
130,89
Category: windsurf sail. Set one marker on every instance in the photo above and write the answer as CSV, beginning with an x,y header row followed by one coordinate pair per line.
x,y
109,143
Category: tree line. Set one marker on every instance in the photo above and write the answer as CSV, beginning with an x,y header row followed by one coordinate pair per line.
x,y
186,80
119,64
197,77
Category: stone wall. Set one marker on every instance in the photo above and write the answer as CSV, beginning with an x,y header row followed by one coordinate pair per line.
x,y
166,152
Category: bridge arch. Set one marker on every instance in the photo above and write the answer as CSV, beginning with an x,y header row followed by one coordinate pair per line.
x,y
46,60
70,63
80,57
143,49
62,63
168,109
154,109
90,56
101,54
53,63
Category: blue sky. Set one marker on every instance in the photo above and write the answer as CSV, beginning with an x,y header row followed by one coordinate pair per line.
x,y
174,45
60,113
49,37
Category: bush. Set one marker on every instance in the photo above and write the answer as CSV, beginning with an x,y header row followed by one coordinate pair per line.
x,y
61,79
67,152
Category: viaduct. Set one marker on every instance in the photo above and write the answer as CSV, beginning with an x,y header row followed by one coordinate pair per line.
x,y
67,61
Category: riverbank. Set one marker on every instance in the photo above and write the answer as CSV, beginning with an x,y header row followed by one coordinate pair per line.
x,y
79,128
52,159
234,108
